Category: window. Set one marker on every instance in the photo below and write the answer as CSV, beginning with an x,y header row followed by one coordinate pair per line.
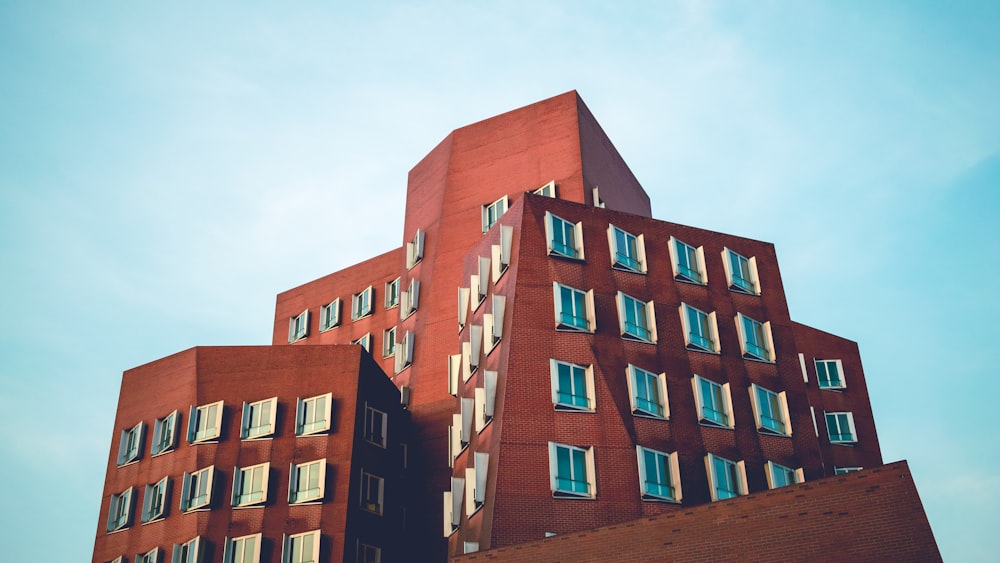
x,y
572,386
688,262
312,415
479,282
659,475
843,470
250,485
571,471
300,548
574,308
713,402
388,342
258,419
306,481
197,490
245,549
298,326
453,505
151,556
840,428
361,303
164,434
392,293
493,211
770,410
191,551
371,492
369,553
628,252
741,272
486,400
120,510
471,351
830,374
636,319
365,341
454,372
755,338
464,295
415,250
119,559
154,500
780,476
329,315
409,299
475,483
564,238
205,423
493,322
460,431
548,190
647,392
130,446
501,252
470,547
375,426
598,202
726,479
403,352
701,331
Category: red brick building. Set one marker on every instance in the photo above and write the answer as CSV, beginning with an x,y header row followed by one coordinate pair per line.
x,y
568,362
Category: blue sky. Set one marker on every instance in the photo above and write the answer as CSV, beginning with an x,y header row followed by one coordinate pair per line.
x,y
166,169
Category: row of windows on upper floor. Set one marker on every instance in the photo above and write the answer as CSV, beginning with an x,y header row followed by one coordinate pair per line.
x,y
295,548
362,306
312,417
306,485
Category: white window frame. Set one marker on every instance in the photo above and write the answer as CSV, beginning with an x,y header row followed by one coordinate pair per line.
x,y
827,382
574,400
197,489
738,269
735,476
151,556
376,429
460,431
688,262
845,470
365,341
493,211
301,476
596,196
563,238
298,326
548,190
389,342
628,251
493,323
367,494
453,506
781,476
695,337
571,320
641,380
559,490
191,551
164,438
639,309
361,304
368,553
500,253
665,474
464,298
308,408
841,418
761,346
329,315
718,404
409,300
155,500
288,547
486,400
770,411
211,415
475,483
120,510
130,444
252,475
235,549
392,293
415,250
454,373
259,419
404,352
470,547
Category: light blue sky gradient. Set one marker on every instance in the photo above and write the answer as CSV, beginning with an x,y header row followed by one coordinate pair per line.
x,y
167,168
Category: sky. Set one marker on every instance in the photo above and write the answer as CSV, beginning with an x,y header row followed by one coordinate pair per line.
x,y
167,168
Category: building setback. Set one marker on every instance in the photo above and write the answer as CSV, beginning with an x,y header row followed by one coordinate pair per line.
x,y
566,361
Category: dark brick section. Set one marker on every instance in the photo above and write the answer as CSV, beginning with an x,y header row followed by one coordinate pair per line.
x,y
871,515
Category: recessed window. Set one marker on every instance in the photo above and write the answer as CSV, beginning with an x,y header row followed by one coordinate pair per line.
x,y
329,315
571,471
770,410
403,352
475,483
151,556
648,393
415,250
840,428
572,386
688,262
191,551
250,485
659,475
409,299
486,400
388,342
300,548
312,415
365,341
369,553
130,446
636,319
574,308
830,374
258,419
361,303
741,272
164,434
298,326
713,402
392,294
155,500
726,479
375,426
245,549
453,506
628,251
493,211
781,476
306,481
205,423
371,492
701,331
120,510
564,238
196,492
548,190
755,338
